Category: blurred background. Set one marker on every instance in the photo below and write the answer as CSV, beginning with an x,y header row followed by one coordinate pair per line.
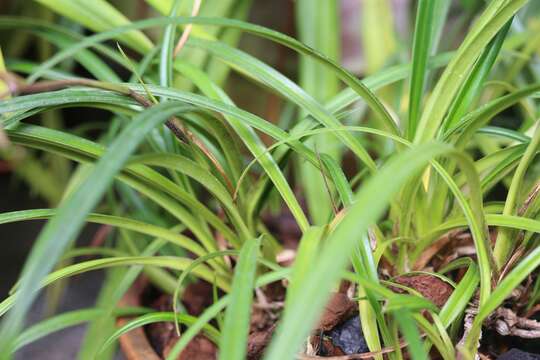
x,y
373,34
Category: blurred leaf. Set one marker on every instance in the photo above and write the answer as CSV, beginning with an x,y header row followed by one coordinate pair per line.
x,y
155,317
494,17
66,224
430,19
319,27
69,319
378,36
99,15
233,342
370,203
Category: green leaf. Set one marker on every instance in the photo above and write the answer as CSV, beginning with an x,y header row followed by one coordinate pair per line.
x,y
145,180
233,342
275,36
68,319
167,46
527,265
66,224
304,261
378,34
213,310
201,175
426,26
505,242
99,15
318,27
211,332
411,334
339,179
121,222
496,15
171,262
459,300
474,83
370,203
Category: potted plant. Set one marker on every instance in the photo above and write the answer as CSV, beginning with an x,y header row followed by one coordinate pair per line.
x,y
393,214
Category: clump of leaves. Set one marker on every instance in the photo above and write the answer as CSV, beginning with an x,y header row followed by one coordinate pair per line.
x,y
181,170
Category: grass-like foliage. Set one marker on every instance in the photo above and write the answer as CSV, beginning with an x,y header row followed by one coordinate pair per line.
x,y
379,171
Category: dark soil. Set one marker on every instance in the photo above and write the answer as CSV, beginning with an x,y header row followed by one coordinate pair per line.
x,y
162,335
338,331
196,298
516,354
497,346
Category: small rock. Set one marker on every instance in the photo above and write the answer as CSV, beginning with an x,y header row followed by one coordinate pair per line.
x,y
349,337
515,354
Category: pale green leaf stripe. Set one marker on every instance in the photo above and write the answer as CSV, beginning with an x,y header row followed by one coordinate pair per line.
x,y
233,342
67,223
370,204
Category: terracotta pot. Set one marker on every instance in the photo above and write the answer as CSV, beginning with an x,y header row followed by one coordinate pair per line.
x,y
135,344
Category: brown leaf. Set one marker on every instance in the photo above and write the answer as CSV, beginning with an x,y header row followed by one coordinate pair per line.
x,y
338,309
431,287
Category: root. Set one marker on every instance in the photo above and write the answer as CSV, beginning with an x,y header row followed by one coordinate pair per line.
x,y
507,323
